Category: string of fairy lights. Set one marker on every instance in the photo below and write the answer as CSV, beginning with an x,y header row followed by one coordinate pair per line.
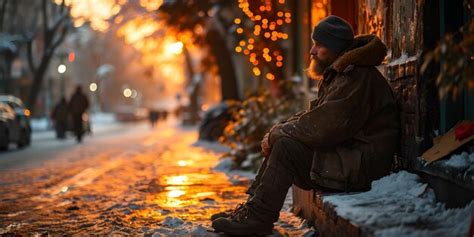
x,y
263,34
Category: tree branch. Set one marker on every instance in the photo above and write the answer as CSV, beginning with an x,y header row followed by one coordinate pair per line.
x,y
2,13
63,6
31,63
60,39
57,24
45,17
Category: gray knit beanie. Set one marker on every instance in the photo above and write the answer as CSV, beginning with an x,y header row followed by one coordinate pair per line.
x,y
334,33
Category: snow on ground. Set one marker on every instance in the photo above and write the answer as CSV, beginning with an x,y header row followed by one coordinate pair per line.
x,y
44,123
40,124
409,209
463,160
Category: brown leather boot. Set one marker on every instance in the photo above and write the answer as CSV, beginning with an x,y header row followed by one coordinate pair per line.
x,y
250,191
227,213
243,222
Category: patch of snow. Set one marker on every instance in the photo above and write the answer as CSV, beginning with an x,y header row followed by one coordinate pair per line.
x,y
40,124
102,118
213,146
408,207
186,228
403,59
224,165
250,160
463,160
240,177
246,164
172,222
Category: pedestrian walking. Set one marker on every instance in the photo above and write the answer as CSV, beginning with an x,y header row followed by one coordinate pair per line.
x,y
77,107
59,116
153,117
343,141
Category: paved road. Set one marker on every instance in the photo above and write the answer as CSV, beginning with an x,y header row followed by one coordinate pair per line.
x,y
126,179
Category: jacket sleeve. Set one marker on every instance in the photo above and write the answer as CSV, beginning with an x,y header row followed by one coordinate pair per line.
x,y
342,114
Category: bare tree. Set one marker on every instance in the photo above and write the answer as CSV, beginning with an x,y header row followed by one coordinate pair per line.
x,y
47,35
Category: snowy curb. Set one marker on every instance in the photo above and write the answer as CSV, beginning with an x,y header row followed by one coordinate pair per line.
x,y
400,205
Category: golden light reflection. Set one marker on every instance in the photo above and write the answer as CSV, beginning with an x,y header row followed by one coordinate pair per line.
x,y
190,189
176,193
177,180
205,194
183,163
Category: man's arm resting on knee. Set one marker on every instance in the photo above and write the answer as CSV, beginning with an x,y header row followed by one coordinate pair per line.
x,y
340,117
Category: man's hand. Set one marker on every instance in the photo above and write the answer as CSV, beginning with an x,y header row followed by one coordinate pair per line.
x,y
265,146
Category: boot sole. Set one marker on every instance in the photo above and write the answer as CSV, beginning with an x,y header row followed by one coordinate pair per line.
x,y
244,232
237,235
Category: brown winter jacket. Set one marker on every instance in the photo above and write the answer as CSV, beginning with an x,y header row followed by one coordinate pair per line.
x,y
353,125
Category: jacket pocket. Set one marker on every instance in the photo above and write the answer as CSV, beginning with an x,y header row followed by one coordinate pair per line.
x,y
326,169
339,168
351,159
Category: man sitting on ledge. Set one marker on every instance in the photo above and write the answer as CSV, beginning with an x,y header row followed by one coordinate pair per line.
x,y
343,141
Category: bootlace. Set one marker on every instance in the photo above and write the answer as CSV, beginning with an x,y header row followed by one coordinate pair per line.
x,y
241,213
237,207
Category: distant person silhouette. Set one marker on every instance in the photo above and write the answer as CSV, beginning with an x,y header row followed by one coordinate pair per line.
x,y
77,107
59,115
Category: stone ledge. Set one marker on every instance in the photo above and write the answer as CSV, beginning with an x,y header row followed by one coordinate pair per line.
x,y
309,204
397,205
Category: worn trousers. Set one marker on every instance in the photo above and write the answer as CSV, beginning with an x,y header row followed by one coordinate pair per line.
x,y
289,163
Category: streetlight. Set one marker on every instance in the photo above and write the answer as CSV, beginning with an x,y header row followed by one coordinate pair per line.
x,y
127,92
93,86
62,70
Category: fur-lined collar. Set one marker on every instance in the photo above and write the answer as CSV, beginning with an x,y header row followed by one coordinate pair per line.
x,y
367,50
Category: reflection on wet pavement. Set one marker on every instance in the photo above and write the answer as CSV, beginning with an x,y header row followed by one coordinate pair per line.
x,y
131,190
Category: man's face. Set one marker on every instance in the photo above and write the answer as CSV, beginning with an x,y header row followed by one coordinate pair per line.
x,y
321,58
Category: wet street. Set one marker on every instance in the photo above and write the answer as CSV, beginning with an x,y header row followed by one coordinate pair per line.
x,y
129,179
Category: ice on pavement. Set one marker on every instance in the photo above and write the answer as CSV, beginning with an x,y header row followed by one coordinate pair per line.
x,y
287,225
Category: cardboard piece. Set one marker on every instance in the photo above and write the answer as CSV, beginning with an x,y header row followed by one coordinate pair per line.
x,y
444,145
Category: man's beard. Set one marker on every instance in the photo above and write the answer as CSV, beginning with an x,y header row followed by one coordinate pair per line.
x,y
317,67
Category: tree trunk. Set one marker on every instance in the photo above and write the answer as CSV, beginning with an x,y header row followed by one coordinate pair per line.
x,y
3,9
193,97
229,86
38,82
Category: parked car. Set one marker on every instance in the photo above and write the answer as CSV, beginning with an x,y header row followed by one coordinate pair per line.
x,y
10,128
22,118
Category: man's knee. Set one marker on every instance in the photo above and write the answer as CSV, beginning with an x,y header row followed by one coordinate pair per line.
x,y
286,143
283,140
290,147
